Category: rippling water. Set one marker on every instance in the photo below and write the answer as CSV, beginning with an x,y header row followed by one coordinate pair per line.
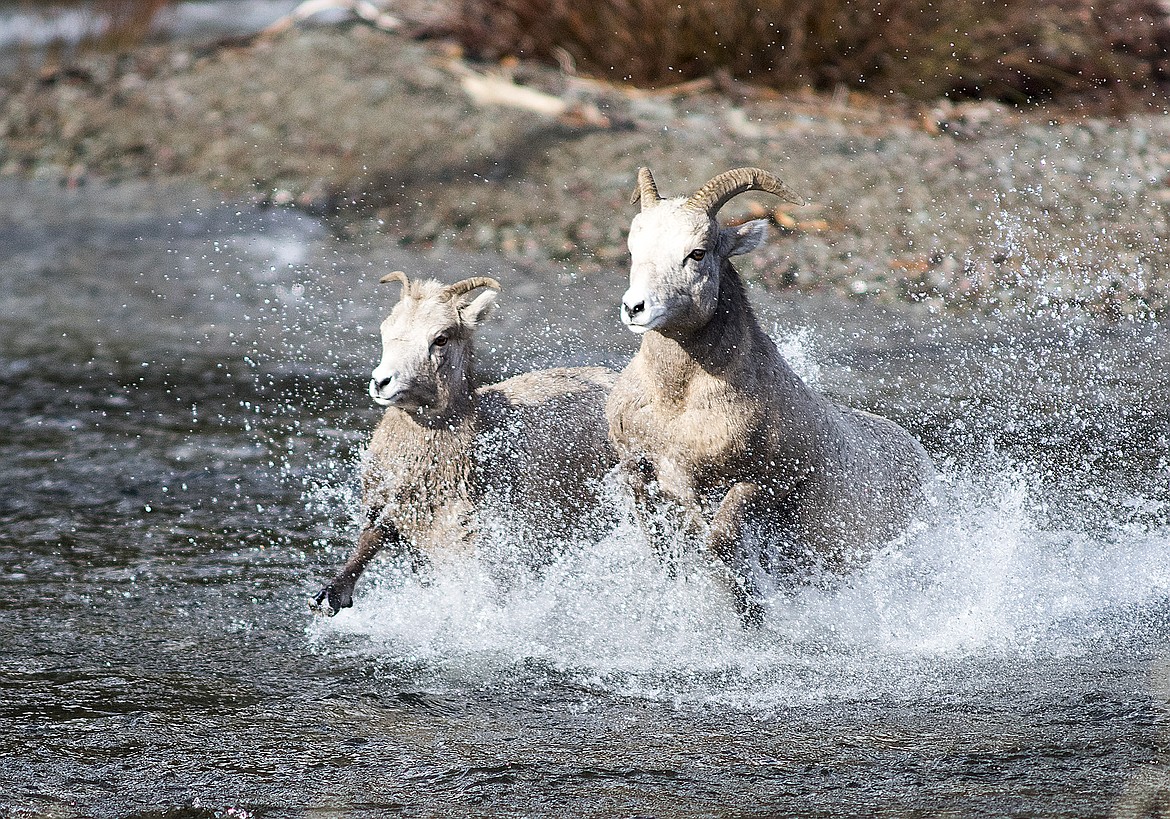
x,y
181,411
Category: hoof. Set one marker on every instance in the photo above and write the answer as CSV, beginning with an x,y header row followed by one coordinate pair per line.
x,y
331,600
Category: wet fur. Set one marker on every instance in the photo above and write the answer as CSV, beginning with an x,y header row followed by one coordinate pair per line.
x,y
535,445
715,423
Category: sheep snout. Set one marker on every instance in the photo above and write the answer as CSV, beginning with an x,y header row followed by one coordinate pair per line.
x,y
640,314
381,392
635,309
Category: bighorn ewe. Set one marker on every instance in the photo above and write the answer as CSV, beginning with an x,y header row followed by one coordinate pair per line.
x,y
720,438
536,442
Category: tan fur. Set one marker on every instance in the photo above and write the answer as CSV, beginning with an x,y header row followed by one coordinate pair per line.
x,y
536,441
719,434
535,446
418,480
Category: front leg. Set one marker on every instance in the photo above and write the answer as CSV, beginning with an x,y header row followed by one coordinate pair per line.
x,y
727,540
648,506
338,593
664,516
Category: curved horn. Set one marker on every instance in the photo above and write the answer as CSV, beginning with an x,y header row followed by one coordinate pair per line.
x,y
467,285
647,191
716,193
396,276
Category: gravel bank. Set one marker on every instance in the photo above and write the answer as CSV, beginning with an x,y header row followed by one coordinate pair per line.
x,y
972,207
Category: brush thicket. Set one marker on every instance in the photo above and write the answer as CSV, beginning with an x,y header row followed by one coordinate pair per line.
x,y
1015,51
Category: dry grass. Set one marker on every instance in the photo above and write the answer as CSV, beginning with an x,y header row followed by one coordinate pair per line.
x,y
1021,51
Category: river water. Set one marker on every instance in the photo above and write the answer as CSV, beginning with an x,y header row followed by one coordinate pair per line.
x,y
182,406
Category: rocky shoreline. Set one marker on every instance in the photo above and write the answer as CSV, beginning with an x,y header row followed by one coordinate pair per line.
x,y
954,207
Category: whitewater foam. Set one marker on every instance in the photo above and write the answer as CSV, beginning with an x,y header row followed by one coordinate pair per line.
x,y
994,575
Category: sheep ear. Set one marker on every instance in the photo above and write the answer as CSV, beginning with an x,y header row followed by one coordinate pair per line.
x,y
744,238
478,308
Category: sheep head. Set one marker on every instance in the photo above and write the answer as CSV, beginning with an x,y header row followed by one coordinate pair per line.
x,y
677,249
426,343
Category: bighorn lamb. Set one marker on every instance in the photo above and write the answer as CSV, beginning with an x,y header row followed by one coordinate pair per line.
x,y
721,440
536,442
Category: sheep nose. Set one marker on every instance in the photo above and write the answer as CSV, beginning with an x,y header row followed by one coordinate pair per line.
x,y
383,383
634,309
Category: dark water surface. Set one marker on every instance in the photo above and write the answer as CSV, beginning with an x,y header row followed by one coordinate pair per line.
x,y
181,409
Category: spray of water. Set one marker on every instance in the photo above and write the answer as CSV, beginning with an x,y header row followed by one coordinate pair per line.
x,y
984,575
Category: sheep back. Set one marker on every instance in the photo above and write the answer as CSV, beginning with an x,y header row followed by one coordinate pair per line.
x,y
543,448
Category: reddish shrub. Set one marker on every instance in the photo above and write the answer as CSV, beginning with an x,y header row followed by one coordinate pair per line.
x,y
1018,51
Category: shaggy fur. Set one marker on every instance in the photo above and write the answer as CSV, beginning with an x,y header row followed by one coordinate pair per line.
x,y
535,444
723,442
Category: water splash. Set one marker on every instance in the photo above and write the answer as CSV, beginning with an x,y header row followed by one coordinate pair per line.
x,y
1010,567
982,580
797,349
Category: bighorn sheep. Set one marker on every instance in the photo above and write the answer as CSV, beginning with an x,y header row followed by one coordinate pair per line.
x,y
720,438
537,442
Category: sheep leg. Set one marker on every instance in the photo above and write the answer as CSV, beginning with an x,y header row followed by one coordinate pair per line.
x,y
640,476
726,539
338,593
658,515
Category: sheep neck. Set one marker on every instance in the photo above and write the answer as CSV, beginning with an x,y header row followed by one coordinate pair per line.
x,y
459,407
731,345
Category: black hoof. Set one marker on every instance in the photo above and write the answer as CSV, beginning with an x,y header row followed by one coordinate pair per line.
x,y
331,600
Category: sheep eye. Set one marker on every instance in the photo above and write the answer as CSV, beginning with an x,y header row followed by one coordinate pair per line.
x,y
697,254
440,341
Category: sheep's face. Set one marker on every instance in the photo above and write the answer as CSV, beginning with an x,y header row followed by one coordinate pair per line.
x,y
426,349
676,253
